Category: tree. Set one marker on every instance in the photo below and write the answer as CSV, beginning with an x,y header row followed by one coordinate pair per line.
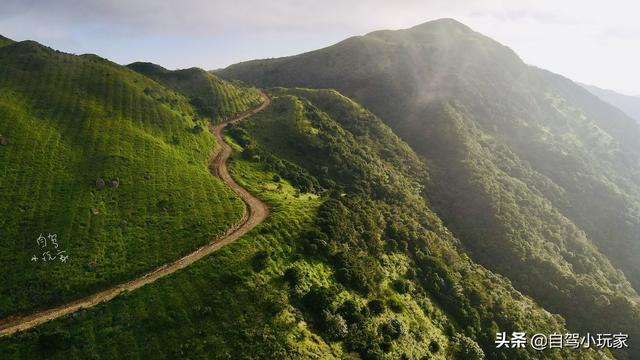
x,y
335,325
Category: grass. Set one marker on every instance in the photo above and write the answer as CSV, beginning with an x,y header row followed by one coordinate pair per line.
x,y
217,308
70,120
238,303
213,97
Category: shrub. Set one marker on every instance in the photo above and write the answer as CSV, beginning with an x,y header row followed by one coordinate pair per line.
x,y
465,348
293,276
376,306
260,260
434,347
395,305
392,329
401,286
335,326
350,312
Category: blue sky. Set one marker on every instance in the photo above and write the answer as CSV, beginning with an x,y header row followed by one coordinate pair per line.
x,y
583,40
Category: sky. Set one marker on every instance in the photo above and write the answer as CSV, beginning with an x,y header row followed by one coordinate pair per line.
x,y
591,42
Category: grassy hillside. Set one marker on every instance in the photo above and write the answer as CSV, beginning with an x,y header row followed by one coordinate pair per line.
x,y
5,41
345,267
530,170
109,161
211,96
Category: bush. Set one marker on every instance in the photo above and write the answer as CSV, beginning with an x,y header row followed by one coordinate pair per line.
x,y
401,286
350,312
293,276
335,326
465,348
197,129
434,347
319,299
376,306
260,260
395,305
392,329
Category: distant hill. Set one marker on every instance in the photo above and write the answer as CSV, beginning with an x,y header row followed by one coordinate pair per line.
x,y
108,160
211,96
629,104
530,170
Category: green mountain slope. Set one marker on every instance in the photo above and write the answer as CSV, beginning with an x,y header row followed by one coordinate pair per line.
x,y
537,177
351,264
111,162
213,97
5,41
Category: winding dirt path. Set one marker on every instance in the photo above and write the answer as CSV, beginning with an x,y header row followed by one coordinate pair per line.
x,y
255,212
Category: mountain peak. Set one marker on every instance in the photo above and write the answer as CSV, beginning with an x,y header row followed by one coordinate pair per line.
x,y
442,24
147,68
444,29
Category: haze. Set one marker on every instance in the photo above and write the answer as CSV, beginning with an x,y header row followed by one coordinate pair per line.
x,y
587,42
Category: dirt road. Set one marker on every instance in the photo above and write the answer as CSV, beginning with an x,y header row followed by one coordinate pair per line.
x,y
255,212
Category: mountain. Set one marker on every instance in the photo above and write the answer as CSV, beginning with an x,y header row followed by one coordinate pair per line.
x,y
213,97
629,104
108,161
536,176
427,191
351,263
5,41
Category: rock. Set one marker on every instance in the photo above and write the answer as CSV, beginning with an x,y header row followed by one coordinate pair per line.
x,y
147,177
95,211
123,223
115,183
100,183
3,141
90,265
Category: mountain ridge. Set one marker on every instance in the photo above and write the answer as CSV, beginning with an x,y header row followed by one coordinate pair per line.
x,y
428,190
627,103
517,155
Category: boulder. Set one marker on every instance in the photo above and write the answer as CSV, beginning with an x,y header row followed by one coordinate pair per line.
x,y
3,141
114,183
95,211
100,183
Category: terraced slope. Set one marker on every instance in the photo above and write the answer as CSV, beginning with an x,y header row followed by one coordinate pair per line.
x,y
213,97
255,212
70,123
